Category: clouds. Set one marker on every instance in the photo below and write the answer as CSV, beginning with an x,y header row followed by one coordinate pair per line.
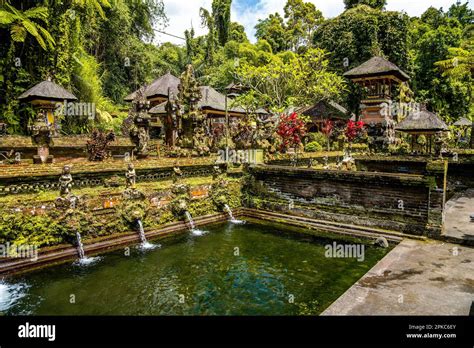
x,y
184,13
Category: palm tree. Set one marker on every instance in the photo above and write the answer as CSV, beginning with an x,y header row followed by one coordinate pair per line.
x,y
460,64
22,23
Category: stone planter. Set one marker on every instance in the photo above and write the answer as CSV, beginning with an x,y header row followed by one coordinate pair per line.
x,y
43,156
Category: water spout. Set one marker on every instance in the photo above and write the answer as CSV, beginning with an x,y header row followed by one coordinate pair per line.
x,y
231,215
83,260
144,243
80,247
192,226
141,232
190,220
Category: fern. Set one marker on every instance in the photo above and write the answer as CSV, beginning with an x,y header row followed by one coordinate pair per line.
x,y
22,23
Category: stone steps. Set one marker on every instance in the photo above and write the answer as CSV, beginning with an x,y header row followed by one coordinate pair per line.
x,y
330,226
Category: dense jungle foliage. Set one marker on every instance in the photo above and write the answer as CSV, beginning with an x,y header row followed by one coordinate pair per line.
x,y
101,50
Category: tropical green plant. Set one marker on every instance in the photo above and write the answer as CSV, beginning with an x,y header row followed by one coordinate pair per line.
x,y
298,80
313,146
379,4
22,23
92,6
221,14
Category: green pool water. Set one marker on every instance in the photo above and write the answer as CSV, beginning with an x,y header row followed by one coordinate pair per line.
x,y
250,269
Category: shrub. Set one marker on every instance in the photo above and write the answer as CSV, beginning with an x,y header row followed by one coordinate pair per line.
x,y
313,146
360,147
317,137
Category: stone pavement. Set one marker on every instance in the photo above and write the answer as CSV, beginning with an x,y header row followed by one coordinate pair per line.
x,y
415,278
457,221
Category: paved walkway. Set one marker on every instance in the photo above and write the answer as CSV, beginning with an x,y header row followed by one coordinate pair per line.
x,y
458,224
415,278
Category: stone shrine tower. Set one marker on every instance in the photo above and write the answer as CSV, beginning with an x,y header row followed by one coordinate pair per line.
x,y
378,77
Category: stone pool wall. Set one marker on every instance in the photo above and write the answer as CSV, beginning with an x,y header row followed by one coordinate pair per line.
x,y
460,172
411,204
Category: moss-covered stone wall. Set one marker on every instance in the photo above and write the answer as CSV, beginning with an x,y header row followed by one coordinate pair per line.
x,y
32,218
399,202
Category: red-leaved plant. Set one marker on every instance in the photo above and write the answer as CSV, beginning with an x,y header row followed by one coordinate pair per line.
x,y
353,129
327,129
291,129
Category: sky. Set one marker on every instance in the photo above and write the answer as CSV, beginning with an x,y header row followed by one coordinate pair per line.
x,y
184,14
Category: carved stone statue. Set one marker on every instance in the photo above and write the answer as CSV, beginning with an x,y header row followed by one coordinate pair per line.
x,y
131,176
139,130
190,118
189,95
440,144
201,142
216,172
131,192
98,145
347,162
177,174
66,200
65,182
326,164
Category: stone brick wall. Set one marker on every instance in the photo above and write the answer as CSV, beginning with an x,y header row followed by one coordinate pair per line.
x,y
400,202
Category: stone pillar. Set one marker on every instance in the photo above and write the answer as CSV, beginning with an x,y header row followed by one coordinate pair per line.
x,y
437,181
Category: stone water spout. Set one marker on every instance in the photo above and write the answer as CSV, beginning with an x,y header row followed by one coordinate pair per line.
x,y
192,225
231,215
141,232
80,247
83,260
190,220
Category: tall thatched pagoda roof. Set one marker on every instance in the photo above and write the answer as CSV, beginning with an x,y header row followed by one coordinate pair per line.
x,y
47,90
159,87
463,122
375,67
422,121
211,100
